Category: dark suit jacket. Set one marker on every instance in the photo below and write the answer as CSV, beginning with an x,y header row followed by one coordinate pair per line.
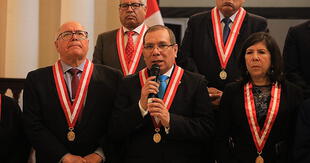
x,y
302,138
45,121
191,124
106,51
14,147
297,55
198,51
232,123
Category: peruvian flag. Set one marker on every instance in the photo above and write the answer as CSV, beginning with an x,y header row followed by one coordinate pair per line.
x,y
153,16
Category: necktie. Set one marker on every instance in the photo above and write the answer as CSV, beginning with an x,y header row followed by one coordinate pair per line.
x,y
74,82
162,85
226,29
130,49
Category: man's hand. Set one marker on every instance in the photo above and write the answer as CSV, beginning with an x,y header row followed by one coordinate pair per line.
x,y
215,95
158,109
69,158
93,158
150,86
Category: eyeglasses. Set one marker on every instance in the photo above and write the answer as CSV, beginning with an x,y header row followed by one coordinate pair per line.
x,y
161,47
68,35
134,6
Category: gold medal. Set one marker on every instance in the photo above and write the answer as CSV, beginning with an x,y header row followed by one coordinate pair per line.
x,y
156,137
71,135
259,159
223,75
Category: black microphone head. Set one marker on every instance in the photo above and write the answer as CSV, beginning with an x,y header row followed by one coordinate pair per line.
x,y
154,70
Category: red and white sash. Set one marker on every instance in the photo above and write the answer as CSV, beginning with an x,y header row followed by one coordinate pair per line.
x,y
224,52
72,111
129,69
172,85
260,136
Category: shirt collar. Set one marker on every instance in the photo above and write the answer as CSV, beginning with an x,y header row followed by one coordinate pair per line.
x,y
232,18
66,67
169,72
137,30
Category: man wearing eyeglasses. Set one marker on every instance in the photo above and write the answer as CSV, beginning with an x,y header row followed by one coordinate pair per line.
x,y
67,105
173,125
122,48
212,40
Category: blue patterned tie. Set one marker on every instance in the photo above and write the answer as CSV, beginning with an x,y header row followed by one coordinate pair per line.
x,y
162,85
226,30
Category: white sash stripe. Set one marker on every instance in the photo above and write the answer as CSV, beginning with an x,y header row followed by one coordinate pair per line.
x,y
260,140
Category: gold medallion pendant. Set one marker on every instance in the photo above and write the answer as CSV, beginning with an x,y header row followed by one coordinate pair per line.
x,y
259,159
156,137
71,135
223,75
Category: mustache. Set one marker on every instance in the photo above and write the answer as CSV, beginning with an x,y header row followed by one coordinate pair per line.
x,y
228,4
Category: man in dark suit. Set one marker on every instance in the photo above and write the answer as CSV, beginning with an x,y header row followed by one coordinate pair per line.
x,y
302,137
122,48
174,125
14,145
67,105
211,42
296,54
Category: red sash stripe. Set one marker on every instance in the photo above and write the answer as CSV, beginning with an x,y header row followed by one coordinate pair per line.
x,y
224,52
72,111
260,136
129,69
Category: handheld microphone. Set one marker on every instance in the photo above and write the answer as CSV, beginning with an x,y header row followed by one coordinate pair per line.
x,y
154,71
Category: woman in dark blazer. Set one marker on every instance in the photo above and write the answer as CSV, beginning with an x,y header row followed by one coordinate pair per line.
x,y
255,122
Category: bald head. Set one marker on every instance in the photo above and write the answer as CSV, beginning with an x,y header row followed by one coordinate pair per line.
x,y
72,43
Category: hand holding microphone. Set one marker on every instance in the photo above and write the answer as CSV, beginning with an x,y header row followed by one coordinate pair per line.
x,y
150,88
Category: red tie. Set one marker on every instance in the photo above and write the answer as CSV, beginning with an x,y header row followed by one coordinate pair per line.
x,y
130,49
74,82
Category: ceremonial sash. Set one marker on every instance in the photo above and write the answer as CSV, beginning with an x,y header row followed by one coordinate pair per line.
x,y
72,111
224,51
131,68
260,136
172,87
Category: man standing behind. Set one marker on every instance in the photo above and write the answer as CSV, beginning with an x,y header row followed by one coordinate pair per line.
x,y
173,126
122,48
67,105
212,40
296,55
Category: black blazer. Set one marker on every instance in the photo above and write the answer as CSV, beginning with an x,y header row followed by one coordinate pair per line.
x,y
232,123
296,54
302,138
198,51
14,147
106,51
191,124
45,122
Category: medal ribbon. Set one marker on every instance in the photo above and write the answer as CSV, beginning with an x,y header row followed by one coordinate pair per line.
x,y
224,52
129,69
72,111
171,89
260,136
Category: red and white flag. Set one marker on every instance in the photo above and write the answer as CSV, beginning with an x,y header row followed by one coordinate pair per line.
x,y
153,16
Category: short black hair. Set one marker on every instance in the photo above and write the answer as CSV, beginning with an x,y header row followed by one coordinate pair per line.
x,y
275,72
